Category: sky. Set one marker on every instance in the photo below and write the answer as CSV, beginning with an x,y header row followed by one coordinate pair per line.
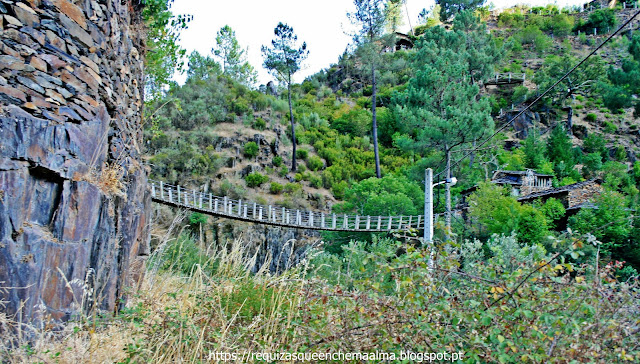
x,y
323,25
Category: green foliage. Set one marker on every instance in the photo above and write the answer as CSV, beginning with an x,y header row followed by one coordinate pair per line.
x,y
553,211
355,122
591,117
315,163
450,8
251,149
233,57
495,212
181,255
534,151
610,222
275,188
560,152
260,124
560,24
386,196
277,161
302,153
255,179
163,55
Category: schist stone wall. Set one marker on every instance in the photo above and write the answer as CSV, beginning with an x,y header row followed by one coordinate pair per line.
x,y
74,208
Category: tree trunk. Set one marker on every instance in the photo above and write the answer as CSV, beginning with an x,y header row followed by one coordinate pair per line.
x,y
570,120
293,128
375,121
447,192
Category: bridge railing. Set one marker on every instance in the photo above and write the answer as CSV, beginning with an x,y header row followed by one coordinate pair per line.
x,y
278,215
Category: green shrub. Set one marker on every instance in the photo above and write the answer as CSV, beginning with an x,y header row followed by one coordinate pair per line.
x,y
283,171
255,179
591,117
302,153
315,181
292,188
610,127
251,149
315,163
553,210
277,161
260,124
339,189
275,188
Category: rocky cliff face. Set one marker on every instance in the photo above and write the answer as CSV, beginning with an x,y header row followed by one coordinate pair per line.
x,y
74,208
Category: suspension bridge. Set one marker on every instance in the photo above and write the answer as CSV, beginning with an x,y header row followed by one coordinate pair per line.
x,y
209,204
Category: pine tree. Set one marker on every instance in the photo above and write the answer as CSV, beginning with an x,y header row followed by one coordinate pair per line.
x,y
441,107
371,16
233,57
283,59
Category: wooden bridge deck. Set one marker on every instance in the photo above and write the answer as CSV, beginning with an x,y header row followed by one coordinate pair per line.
x,y
225,207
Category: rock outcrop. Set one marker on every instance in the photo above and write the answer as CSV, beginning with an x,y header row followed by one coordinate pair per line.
x,y
74,207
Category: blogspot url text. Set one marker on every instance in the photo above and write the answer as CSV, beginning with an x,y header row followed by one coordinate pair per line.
x,y
337,356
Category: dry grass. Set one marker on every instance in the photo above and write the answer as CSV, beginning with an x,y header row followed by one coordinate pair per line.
x,y
175,318
108,180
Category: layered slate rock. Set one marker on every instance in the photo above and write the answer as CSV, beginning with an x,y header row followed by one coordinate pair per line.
x,y
74,207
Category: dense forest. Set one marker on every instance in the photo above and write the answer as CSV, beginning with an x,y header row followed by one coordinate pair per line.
x,y
537,245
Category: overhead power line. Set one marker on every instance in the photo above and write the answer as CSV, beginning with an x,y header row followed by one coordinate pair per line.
x,y
456,163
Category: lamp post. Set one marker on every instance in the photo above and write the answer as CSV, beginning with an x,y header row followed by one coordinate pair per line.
x,y
428,207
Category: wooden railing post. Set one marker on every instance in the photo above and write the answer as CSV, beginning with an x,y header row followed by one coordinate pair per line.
x,y
390,219
357,224
210,201
345,224
333,221
379,222
215,208
310,218
161,190
260,213
284,212
239,207
245,211
178,187
322,220
254,210
368,222
170,197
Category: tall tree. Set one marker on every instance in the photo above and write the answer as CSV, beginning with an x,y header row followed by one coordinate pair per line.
x,y
233,57
441,108
370,16
450,8
164,55
283,59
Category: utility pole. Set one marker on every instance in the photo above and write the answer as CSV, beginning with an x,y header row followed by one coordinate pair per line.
x,y
428,206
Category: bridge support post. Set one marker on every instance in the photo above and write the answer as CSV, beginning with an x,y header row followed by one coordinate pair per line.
x,y
260,213
224,204
185,199
153,189
210,201
288,217
333,221
178,194
239,207
170,197
194,202
389,225
215,207
345,224
357,224
269,213
161,190
368,222
283,214
310,218
322,220
379,222
245,211
254,210
200,197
